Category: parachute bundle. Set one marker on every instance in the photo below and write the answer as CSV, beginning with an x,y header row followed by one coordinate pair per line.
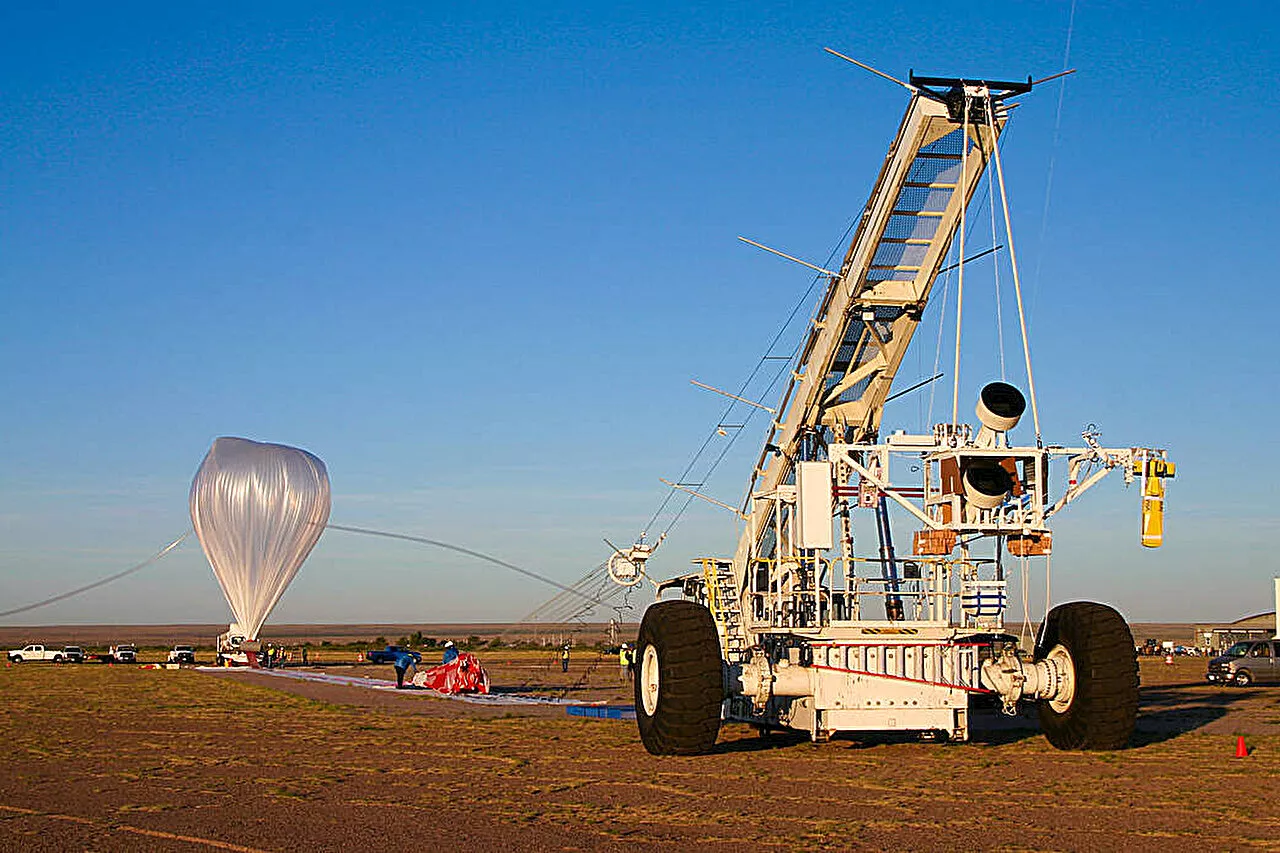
x,y
463,674
258,510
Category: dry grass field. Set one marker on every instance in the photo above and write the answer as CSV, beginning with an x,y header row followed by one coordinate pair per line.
x,y
122,758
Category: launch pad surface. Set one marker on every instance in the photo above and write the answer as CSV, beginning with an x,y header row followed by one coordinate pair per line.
x,y
123,758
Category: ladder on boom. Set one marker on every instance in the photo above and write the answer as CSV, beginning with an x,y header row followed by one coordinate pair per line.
x,y
723,600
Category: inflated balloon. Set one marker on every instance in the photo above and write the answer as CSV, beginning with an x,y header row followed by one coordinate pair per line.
x,y
258,510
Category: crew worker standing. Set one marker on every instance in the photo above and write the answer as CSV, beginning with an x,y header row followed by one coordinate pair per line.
x,y
631,663
564,658
624,670
450,652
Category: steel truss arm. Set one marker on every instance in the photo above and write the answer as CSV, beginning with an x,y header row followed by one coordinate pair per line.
x,y
870,311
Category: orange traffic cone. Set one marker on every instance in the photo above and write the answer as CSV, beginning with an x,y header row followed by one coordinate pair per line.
x,y
1242,751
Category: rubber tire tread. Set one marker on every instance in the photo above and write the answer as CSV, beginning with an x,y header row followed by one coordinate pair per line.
x,y
686,720
1104,710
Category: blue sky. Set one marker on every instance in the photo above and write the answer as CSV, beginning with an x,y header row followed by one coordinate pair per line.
x,y
471,257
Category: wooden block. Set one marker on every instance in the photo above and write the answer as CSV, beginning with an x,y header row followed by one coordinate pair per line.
x,y
1030,545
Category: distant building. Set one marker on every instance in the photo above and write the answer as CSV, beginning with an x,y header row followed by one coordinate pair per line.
x,y
1218,637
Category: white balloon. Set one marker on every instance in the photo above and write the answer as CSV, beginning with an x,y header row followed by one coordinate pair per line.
x,y
258,510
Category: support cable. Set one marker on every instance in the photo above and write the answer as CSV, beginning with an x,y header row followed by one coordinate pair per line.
x,y
991,192
1053,156
964,178
1048,597
1025,576
147,562
728,412
470,553
937,355
1017,282
804,299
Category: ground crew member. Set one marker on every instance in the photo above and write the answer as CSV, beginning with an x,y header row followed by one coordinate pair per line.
x,y
631,663
624,667
564,658
404,664
450,652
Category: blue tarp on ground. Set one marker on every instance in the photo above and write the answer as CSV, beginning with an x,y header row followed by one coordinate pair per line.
x,y
603,712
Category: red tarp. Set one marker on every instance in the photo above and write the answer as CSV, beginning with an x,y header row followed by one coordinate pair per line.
x,y
462,675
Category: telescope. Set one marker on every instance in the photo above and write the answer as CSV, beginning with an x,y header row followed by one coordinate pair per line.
x,y
988,480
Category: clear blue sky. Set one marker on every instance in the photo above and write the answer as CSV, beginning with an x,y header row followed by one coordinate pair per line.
x,y
471,256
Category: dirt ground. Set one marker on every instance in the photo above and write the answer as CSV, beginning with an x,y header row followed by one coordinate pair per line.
x,y
122,758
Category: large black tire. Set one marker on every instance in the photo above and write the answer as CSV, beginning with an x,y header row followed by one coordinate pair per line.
x,y
679,682
1102,712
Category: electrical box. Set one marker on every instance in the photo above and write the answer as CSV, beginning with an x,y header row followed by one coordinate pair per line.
x,y
814,505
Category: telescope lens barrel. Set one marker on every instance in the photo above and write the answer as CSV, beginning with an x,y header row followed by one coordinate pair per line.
x,y
986,482
1000,405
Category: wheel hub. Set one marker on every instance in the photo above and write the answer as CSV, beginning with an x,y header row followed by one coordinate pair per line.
x,y
649,680
1064,676
1051,679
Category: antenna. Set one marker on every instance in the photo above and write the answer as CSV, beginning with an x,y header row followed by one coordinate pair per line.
x,y
813,267
733,397
1054,76
874,71
709,500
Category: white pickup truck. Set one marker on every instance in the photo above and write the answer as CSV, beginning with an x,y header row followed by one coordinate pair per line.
x,y
36,651
124,653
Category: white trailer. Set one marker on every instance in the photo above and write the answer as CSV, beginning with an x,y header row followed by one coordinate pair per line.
x,y
805,628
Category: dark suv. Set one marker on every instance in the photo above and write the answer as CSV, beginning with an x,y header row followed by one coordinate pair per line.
x,y
388,655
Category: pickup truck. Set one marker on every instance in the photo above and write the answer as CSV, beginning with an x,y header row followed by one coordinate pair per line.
x,y
36,651
182,654
124,653
73,654
388,655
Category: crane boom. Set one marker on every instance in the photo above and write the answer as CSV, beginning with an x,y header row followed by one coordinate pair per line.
x,y
870,311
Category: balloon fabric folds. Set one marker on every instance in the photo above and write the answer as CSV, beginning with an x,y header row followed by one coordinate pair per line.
x,y
258,510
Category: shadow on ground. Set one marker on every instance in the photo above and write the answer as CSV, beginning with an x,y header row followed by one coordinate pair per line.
x,y
1169,711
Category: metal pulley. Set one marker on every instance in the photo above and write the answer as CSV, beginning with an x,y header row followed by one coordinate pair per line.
x,y
626,568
